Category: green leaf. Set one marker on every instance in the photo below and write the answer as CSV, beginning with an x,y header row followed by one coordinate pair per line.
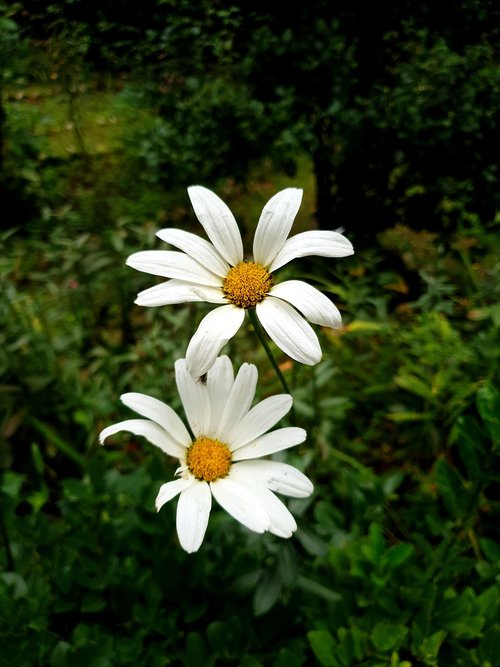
x,y
267,592
451,488
429,647
323,646
416,386
396,556
408,416
318,589
469,438
491,549
488,405
489,603
196,649
375,546
92,604
489,646
386,636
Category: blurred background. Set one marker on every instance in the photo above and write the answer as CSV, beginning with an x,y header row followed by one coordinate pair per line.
x,y
387,115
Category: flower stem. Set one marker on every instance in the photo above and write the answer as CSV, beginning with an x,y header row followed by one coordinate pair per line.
x,y
262,339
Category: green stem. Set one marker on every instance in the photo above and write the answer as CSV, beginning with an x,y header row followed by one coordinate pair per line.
x,y
262,339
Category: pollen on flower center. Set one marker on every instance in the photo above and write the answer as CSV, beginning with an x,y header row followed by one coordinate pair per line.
x,y
208,459
247,284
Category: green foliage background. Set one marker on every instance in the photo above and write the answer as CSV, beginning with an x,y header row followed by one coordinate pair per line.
x,y
107,113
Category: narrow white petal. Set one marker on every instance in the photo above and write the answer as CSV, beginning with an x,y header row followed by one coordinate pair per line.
x,y
218,222
170,490
238,401
149,430
178,291
214,331
274,224
283,438
193,511
220,380
289,330
281,522
194,397
277,476
241,504
159,412
199,249
172,264
323,243
260,419
312,303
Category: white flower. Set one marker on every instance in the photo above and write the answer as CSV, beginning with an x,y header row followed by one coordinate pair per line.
x,y
217,273
222,458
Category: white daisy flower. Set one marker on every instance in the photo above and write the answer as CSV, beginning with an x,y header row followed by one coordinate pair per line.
x,y
217,273
223,458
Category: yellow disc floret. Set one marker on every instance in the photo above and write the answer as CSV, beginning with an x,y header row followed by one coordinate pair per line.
x,y
208,459
247,284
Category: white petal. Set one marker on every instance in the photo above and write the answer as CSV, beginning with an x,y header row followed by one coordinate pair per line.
x,y
178,291
277,476
159,412
274,224
218,222
238,401
260,419
214,331
240,503
312,303
170,490
199,249
149,430
220,380
289,330
172,264
323,243
194,397
282,522
193,511
269,443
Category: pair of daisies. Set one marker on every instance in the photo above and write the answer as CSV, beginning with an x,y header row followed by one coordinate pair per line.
x,y
219,455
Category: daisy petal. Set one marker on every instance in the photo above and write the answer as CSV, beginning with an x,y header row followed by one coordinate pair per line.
x,y
194,397
282,438
282,522
289,330
193,511
218,222
260,419
241,504
312,303
239,400
214,331
220,380
178,291
197,248
170,490
159,412
171,264
149,430
277,476
274,224
323,243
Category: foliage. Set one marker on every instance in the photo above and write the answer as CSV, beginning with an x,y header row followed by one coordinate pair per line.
x,y
396,559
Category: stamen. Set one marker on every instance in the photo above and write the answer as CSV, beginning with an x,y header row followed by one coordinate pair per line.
x,y
208,459
247,284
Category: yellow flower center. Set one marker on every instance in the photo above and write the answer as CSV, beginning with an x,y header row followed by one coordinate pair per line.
x,y
247,284
208,459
